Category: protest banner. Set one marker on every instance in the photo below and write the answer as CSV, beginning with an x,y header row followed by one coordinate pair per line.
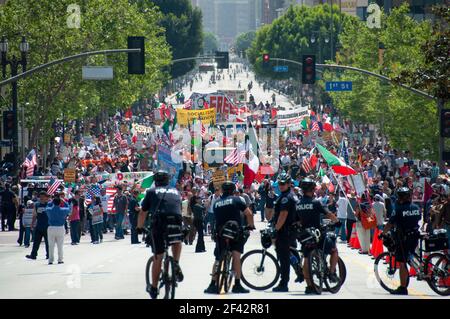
x,y
218,178
166,162
235,95
185,117
292,119
69,175
357,182
142,128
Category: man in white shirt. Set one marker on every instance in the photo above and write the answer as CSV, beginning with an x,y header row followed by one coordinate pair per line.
x,y
342,204
380,211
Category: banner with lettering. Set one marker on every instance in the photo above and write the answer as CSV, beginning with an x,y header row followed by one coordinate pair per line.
x,y
185,117
142,128
165,162
292,119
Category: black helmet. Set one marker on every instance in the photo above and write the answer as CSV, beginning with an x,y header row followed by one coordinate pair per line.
x,y
284,178
228,187
162,178
403,193
307,185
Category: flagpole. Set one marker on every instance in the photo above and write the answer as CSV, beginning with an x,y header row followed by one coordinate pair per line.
x,y
342,189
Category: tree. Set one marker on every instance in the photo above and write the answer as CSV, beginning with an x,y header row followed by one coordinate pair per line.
x,y
210,43
183,29
59,92
409,121
244,41
289,36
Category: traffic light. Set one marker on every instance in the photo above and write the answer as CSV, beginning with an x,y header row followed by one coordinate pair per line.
x,y
266,60
445,123
136,61
8,125
222,59
309,69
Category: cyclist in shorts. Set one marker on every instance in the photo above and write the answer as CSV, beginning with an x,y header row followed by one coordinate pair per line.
x,y
163,203
228,209
310,213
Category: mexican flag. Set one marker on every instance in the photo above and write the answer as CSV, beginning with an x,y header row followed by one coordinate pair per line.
x,y
337,164
147,182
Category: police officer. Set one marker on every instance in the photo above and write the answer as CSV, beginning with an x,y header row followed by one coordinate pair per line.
x,y
285,216
228,208
310,213
40,219
405,219
162,201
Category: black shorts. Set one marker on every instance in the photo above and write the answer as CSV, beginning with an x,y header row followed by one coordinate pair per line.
x,y
159,231
405,248
221,245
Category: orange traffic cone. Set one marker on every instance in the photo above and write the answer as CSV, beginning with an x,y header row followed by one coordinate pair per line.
x,y
356,244
352,237
377,245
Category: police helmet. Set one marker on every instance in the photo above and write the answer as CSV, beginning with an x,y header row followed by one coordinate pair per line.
x,y
284,178
403,193
228,187
162,178
307,185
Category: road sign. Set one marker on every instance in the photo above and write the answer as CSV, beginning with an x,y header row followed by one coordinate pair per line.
x,y
4,143
97,73
338,86
281,68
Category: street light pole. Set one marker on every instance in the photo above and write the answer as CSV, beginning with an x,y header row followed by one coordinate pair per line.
x,y
14,65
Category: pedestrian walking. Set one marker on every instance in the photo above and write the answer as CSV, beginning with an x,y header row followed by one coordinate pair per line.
x,y
351,218
40,219
342,204
74,219
57,216
133,212
199,214
121,207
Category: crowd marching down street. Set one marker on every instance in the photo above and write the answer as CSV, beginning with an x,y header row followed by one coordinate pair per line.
x,y
102,174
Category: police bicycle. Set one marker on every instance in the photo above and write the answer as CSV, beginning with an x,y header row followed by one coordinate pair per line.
x,y
168,277
260,268
434,269
224,267
320,241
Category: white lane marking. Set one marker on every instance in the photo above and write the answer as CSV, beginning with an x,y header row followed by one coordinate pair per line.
x,y
53,292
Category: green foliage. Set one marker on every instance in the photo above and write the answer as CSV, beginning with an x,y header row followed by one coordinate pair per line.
x,y
408,120
289,36
183,28
210,43
244,41
59,91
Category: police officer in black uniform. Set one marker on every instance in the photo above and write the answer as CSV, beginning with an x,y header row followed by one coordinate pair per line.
x,y
405,220
310,213
284,217
228,209
164,204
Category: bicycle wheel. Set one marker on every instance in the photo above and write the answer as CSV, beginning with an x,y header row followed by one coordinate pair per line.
x,y
438,268
260,269
148,274
221,273
169,278
230,272
387,272
316,270
341,272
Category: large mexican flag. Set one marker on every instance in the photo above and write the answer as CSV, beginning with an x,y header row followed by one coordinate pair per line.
x,y
337,164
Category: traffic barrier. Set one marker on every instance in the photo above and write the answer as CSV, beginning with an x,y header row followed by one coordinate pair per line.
x,y
354,241
377,245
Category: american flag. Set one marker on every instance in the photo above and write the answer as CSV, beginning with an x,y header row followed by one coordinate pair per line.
x,y
235,157
315,126
53,185
187,105
306,165
30,162
111,192
93,191
118,136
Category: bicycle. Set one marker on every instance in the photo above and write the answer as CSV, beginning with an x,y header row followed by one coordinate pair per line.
x,y
224,269
434,269
264,270
167,278
320,259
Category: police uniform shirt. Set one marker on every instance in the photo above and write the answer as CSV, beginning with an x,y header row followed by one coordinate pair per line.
x,y
170,201
310,212
406,216
286,202
41,216
228,208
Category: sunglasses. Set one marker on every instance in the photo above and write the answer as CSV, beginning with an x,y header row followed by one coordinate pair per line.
x,y
282,183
